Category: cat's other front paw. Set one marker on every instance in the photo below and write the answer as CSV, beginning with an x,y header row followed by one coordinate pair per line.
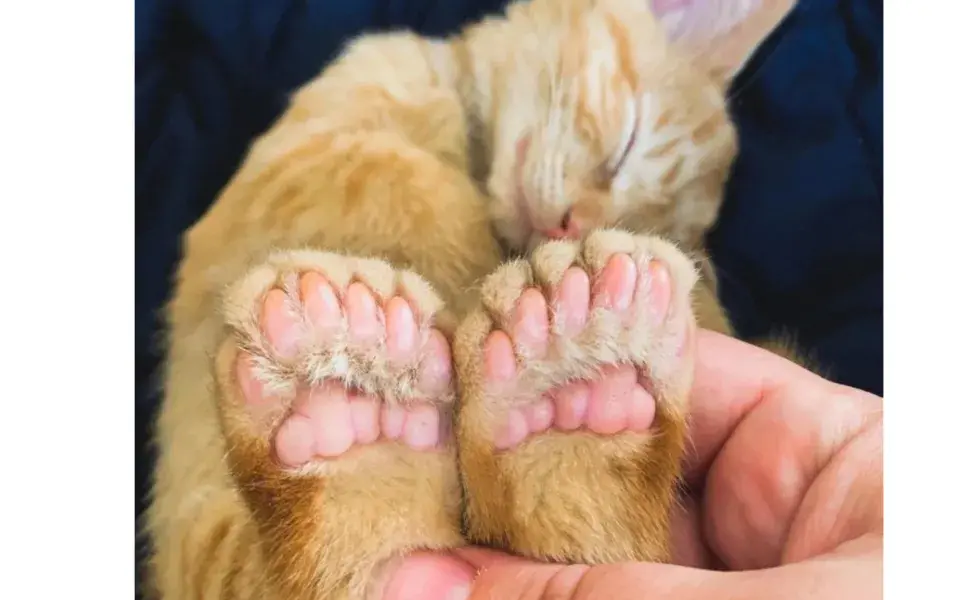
x,y
336,398
317,345
574,378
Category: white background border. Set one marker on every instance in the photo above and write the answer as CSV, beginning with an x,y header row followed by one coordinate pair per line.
x,y
67,261
66,246
930,262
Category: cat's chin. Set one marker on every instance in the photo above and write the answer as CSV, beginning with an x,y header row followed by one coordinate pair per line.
x,y
514,236
535,240
519,247
529,242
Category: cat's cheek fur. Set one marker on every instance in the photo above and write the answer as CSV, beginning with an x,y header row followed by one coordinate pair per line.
x,y
508,204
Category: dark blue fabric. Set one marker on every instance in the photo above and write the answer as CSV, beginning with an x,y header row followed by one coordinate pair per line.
x,y
799,245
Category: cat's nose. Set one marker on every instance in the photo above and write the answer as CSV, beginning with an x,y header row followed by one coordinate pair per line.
x,y
569,228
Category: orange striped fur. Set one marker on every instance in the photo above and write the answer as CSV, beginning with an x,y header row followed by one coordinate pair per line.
x,y
436,156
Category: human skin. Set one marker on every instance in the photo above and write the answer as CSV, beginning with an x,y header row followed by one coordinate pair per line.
x,y
784,500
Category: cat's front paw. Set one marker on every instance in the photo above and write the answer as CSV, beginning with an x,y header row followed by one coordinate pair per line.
x,y
336,400
574,379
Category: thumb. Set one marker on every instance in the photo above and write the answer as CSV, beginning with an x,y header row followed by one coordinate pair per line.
x,y
504,576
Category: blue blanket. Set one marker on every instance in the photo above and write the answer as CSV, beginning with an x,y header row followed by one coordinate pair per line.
x,y
799,245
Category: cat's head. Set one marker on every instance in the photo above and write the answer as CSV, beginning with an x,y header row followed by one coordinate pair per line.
x,y
613,112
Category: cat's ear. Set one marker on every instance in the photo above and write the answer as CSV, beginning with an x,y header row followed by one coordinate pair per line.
x,y
721,34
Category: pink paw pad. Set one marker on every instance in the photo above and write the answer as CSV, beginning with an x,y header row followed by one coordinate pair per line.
x,y
328,420
613,402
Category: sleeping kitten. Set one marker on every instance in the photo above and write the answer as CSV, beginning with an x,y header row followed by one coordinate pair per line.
x,y
348,348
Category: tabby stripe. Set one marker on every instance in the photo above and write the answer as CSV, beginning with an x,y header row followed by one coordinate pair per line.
x,y
622,45
235,569
206,560
662,119
659,151
706,129
671,174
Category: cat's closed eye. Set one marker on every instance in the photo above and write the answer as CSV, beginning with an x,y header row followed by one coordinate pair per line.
x,y
628,138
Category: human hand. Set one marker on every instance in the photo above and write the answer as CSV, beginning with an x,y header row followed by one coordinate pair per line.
x,y
785,500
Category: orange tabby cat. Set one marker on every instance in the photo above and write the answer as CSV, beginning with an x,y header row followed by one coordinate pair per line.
x,y
348,349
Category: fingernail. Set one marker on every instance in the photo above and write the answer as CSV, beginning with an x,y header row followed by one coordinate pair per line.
x,y
461,592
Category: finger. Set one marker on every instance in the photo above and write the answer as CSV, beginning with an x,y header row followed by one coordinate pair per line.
x,y
731,378
781,452
855,576
483,558
502,576
764,429
688,548
429,576
850,499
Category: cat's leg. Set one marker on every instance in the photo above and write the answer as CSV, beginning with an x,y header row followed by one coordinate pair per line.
x,y
574,378
335,396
